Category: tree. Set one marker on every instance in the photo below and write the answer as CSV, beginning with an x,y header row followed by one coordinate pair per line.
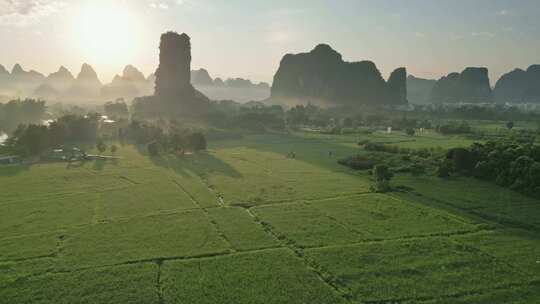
x,y
197,141
409,131
462,159
32,139
444,169
510,125
154,148
57,134
18,112
117,109
382,176
101,146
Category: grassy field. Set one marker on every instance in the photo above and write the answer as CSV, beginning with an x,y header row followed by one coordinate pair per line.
x,y
302,230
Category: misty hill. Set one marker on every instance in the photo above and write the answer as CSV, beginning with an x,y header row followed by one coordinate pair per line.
x,y
21,81
419,89
60,80
201,77
321,76
5,77
129,85
470,86
86,86
63,86
55,84
519,86
238,89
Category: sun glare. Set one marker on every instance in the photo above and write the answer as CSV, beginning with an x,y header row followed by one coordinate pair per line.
x,y
106,32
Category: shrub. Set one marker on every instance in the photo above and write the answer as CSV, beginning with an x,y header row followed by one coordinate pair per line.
x,y
462,159
197,141
357,162
101,146
444,169
154,148
409,131
382,176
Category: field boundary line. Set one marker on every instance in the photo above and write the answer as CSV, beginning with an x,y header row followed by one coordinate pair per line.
x,y
159,288
155,260
399,239
457,295
497,260
325,276
488,219
208,216
110,221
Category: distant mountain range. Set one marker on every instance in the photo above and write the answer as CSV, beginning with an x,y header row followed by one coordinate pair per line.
x,y
201,77
473,86
86,87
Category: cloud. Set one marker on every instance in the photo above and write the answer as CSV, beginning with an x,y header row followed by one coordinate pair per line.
x,y
161,5
483,34
456,37
280,36
26,12
166,4
503,12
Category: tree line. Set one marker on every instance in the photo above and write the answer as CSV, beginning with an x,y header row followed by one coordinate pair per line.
x,y
16,112
510,163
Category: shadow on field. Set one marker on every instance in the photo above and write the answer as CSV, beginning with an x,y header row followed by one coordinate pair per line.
x,y
199,163
100,164
12,170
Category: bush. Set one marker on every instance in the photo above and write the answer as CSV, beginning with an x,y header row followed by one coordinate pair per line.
x,y
462,159
444,169
363,142
101,146
197,141
154,148
357,162
382,176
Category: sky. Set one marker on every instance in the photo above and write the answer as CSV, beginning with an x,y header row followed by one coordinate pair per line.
x,y
234,38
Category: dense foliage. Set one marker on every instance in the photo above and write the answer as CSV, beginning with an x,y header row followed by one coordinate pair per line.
x,y
35,139
382,175
253,117
18,112
117,109
507,163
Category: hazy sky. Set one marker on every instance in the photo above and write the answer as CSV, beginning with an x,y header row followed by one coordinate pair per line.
x,y
234,38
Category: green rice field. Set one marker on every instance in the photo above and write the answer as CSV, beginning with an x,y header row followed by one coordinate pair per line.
x,y
244,223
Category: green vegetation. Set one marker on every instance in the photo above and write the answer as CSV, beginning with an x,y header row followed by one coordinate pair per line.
x,y
395,271
272,276
508,163
17,112
243,223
